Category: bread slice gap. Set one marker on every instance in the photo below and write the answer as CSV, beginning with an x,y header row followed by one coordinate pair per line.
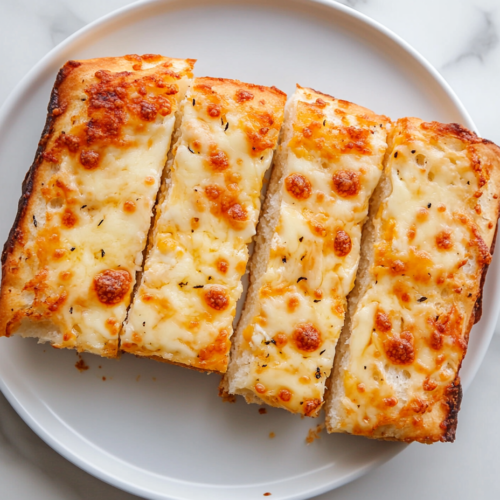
x,y
205,220
70,263
425,252
307,251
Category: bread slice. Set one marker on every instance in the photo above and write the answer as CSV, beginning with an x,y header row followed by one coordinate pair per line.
x,y
307,252
186,302
70,262
425,253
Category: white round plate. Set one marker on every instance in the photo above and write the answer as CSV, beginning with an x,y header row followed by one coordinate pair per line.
x,y
160,431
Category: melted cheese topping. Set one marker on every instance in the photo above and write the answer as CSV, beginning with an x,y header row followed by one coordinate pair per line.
x,y
185,306
90,210
411,325
332,163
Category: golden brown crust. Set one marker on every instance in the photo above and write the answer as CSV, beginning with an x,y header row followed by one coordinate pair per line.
x,y
452,401
454,393
228,85
138,352
350,106
488,152
17,233
54,103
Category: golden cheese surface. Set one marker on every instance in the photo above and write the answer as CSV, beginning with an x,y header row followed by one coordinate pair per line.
x,y
332,163
184,308
432,241
71,260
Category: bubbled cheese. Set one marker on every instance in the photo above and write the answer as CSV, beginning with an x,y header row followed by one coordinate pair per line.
x,y
89,213
332,160
185,305
410,328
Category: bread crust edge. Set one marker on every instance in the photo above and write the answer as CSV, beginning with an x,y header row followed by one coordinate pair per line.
x,y
27,186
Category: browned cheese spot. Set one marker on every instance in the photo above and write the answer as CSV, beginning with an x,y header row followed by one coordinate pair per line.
x,y
292,303
436,339
65,275
217,348
400,351
70,141
68,218
216,297
222,265
285,395
148,111
397,266
317,228
243,95
112,285
59,252
50,156
311,407
307,132
429,385
382,322
213,191
237,213
129,206
298,186
89,159
260,388
218,160
116,95
113,325
418,406
390,402
342,244
422,214
346,183
281,339
213,110
307,338
444,240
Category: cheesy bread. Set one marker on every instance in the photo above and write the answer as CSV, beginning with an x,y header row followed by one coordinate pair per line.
x,y
425,253
185,305
70,262
307,252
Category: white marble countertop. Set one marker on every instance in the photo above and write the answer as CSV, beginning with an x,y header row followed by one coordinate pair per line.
x,y
461,39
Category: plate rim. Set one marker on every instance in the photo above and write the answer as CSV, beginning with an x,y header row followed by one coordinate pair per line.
x,y
49,59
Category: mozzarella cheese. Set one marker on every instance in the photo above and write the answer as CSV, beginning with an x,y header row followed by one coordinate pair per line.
x,y
185,305
410,328
72,258
332,156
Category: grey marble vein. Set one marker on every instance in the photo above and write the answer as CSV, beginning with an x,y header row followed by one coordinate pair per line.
x,y
61,20
484,41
